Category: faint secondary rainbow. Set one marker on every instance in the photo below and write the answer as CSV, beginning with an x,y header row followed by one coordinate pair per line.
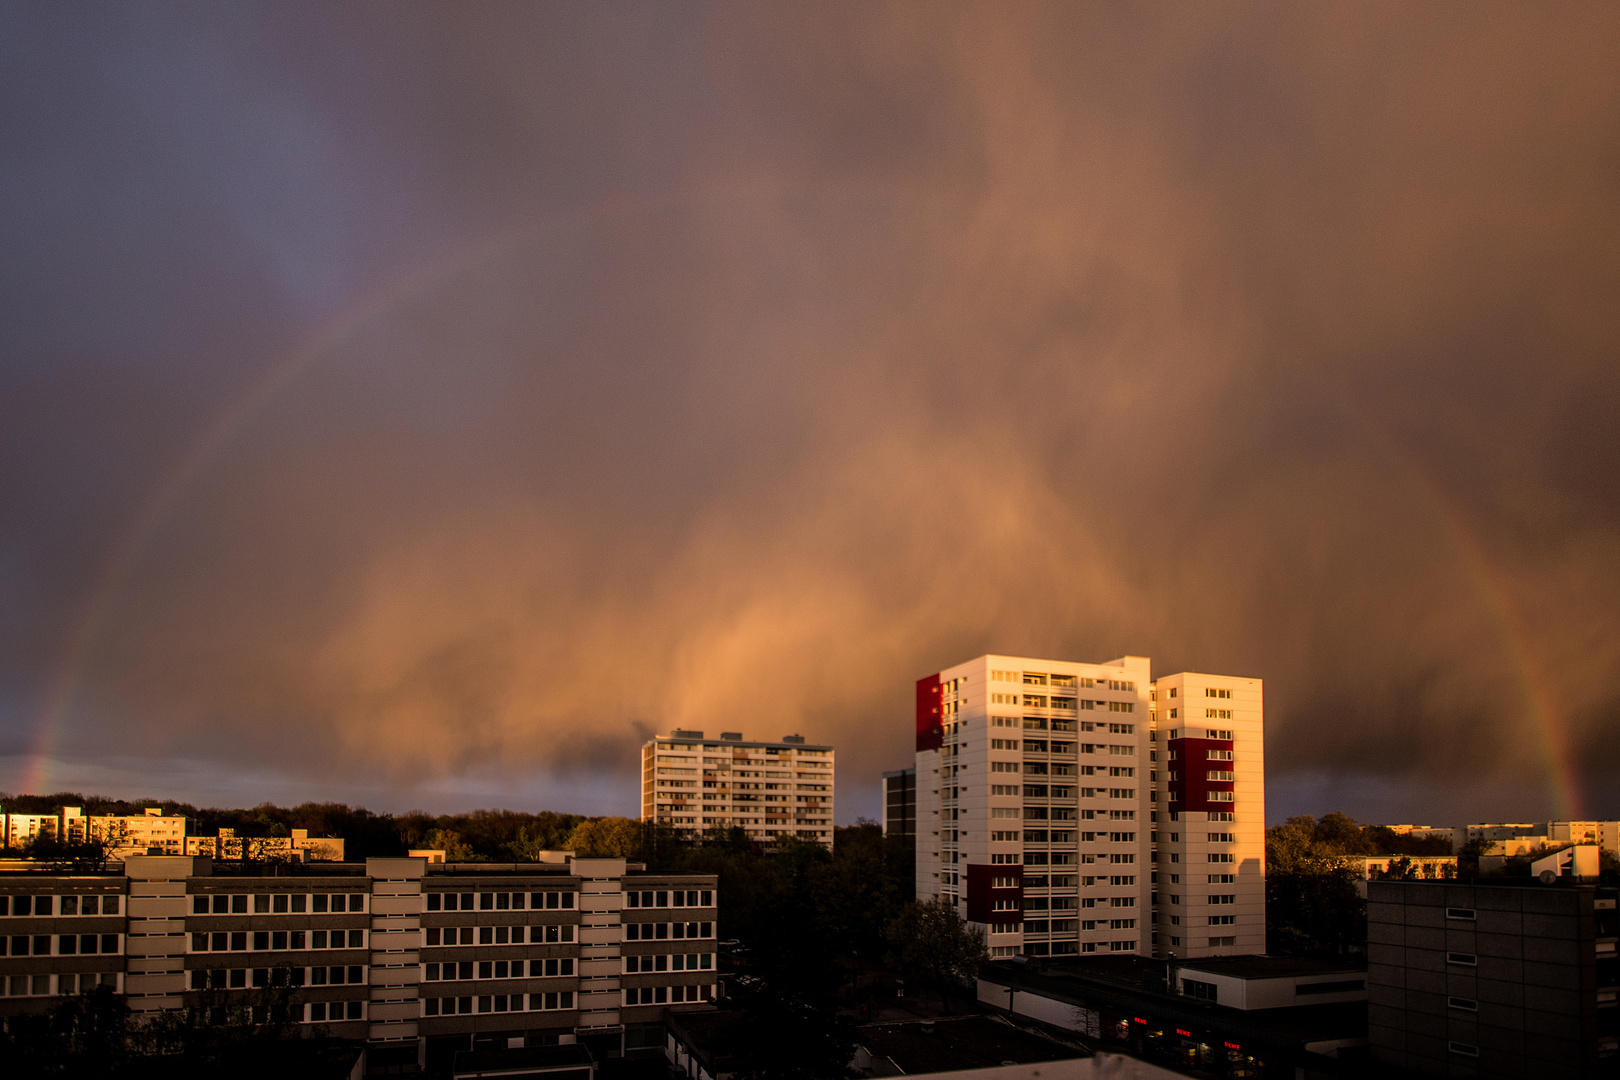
x,y
1540,699
171,488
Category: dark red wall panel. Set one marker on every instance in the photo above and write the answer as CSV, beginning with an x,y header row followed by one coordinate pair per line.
x,y
1189,761
930,733
980,893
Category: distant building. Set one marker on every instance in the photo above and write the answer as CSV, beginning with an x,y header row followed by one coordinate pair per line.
x,y
149,833
1501,978
770,790
299,847
1520,838
899,796
421,960
1071,808
23,829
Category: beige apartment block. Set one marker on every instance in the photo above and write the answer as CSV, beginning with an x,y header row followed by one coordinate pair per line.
x,y
770,790
1065,813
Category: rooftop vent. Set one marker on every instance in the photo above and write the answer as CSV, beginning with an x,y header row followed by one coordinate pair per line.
x,y
793,738
731,736
680,733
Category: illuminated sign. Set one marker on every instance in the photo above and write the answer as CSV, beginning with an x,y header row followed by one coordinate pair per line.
x,y
1232,1046
1139,1020
1184,1033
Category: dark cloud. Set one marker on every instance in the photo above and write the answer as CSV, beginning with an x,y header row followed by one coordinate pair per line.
x,y
550,377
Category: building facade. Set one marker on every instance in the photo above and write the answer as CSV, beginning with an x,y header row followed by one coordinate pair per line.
x,y
409,955
770,790
1210,791
1050,809
1500,978
899,798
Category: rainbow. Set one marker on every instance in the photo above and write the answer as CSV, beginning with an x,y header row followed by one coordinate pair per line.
x,y
1491,589
143,524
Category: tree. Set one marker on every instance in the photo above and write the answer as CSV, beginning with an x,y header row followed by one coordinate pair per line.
x,y
930,939
605,838
450,842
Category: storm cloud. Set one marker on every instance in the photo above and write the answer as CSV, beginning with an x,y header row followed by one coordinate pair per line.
x,y
398,397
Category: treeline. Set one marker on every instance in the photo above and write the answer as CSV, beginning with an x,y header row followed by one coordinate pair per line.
x,y
1314,905
1305,840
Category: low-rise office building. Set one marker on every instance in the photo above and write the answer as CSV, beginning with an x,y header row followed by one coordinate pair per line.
x,y
1499,977
413,957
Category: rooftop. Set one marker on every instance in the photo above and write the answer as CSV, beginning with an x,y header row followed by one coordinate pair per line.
x,y
1268,967
949,1043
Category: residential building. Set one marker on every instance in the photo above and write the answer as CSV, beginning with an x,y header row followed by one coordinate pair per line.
x,y
1210,787
298,847
149,833
419,958
1065,812
899,796
769,790
23,829
1494,977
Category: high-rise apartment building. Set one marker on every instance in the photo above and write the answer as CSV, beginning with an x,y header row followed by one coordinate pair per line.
x,y
1051,811
770,790
1210,797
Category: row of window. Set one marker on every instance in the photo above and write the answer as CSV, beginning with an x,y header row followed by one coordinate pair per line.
x,y
41,985
277,940
500,901
46,906
538,934
324,1012
666,995
499,969
277,903
669,962
241,978
1062,836
670,898
497,1003
663,931
66,944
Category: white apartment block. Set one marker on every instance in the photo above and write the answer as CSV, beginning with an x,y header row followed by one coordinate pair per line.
x,y
1047,811
770,790
1210,794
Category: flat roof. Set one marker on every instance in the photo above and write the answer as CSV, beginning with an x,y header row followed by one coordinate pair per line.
x,y
720,744
1120,984
949,1043
1268,967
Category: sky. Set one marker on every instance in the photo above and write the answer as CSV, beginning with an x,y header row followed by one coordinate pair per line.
x,y
420,405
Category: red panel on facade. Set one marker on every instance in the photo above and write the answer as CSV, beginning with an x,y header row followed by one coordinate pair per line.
x,y
982,892
930,733
1191,765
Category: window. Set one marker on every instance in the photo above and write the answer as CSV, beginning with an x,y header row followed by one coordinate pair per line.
x,y
1213,693
1463,1004
1034,678
1462,959
1122,706
1200,991
1463,1049
1003,789
1003,744
1218,899
1005,837
1223,920
1222,857
1222,879
1005,927
1460,913
1221,838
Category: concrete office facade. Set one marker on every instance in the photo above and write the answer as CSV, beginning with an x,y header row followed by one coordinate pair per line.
x,y
1493,979
399,952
